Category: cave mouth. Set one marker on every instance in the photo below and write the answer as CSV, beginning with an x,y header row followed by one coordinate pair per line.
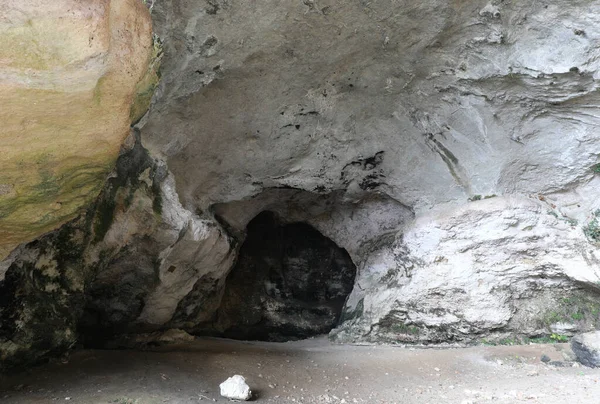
x,y
290,282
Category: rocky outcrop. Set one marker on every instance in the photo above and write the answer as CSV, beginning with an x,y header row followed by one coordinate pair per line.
x,y
69,71
451,149
42,298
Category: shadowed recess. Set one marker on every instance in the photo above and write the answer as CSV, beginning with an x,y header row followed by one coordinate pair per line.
x,y
290,282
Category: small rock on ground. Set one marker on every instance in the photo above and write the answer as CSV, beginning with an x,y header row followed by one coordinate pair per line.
x,y
235,388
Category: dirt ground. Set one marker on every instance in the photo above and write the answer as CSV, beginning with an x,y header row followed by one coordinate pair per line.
x,y
311,371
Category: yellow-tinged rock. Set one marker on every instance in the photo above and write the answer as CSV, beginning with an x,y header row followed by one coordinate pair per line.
x,y
69,70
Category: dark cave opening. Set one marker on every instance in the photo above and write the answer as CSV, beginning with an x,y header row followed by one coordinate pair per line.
x,y
290,282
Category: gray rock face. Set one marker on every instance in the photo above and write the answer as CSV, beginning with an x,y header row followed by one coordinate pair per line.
x,y
500,264
430,102
587,348
451,148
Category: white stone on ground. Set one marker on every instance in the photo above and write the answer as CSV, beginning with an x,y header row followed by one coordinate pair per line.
x,y
236,388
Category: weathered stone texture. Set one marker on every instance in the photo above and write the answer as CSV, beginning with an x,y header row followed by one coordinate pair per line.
x,y
68,75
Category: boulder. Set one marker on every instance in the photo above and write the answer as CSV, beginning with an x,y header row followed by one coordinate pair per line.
x,y
587,348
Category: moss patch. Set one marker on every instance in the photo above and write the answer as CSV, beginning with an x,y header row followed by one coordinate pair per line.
x,y
355,313
580,309
592,230
393,329
41,299
146,87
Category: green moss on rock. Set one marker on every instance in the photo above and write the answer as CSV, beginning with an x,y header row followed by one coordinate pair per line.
x,y
146,87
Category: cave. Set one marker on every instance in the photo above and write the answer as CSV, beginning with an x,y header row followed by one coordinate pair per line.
x,y
290,282
192,191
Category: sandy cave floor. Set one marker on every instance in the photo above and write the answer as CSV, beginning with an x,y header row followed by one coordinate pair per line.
x,y
311,371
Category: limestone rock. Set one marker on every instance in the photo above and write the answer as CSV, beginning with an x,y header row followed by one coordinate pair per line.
x,y
235,388
565,329
68,75
173,336
455,160
587,348
41,298
370,99
501,263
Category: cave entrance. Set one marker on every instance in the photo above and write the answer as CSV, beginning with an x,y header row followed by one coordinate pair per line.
x,y
290,282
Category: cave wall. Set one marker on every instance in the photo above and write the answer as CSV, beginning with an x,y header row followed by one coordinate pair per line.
x,y
464,132
451,147
121,267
